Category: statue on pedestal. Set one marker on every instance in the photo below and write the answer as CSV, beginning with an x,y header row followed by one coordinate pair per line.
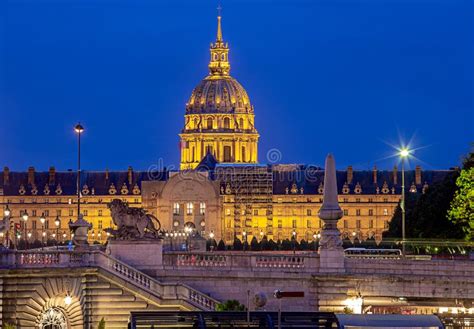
x,y
132,223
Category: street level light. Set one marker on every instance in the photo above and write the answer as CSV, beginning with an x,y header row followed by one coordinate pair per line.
x,y
404,153
57,222
42,220
7,212
24,216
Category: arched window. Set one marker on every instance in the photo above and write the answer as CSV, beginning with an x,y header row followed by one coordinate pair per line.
x,y
189,208
222,57
241,123
53,318
176,208
227,154
202,208
195,123
214,57
209,123
226,123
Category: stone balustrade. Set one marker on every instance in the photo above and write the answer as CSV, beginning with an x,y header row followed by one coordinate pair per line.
x,y
306,262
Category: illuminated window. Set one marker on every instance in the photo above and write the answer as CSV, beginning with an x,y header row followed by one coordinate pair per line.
x,y
227,212
176,208
294,223
85,212
202,208
100,212
226,123
189,208
227,154
71,212
346,212
371,223
385,212
308,212
100,225
209,123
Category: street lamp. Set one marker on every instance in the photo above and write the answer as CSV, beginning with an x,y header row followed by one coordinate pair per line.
x,y
404,153
24,216
57,222
7,212
244,237
78,129
42,220
294,240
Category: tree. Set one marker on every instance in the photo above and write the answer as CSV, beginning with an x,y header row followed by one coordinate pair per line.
x,y
230,305
264,244
286,245
426,213
221,245
254,245
237,244
461,212
101,324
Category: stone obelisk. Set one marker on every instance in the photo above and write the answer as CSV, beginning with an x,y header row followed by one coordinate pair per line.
x,y
331,252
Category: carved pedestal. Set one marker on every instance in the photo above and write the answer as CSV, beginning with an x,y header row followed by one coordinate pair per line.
x,y
141,254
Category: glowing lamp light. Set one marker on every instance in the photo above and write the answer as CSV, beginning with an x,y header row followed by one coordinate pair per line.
x,y
42,219
404,153
78,128
25,216
211,235
319,235
68,299
354,304
7,212
44,233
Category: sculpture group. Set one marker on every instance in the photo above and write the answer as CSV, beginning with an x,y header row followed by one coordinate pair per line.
x,y
132,223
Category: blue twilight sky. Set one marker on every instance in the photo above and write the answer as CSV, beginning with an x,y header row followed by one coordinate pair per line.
x,y
342,76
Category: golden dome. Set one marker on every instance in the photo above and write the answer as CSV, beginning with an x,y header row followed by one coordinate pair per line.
x,y
219,94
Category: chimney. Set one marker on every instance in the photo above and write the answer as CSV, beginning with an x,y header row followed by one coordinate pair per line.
x,y
374,172
350,175
130,175
31,175
395,175
6,176
52,176
106,174
418,175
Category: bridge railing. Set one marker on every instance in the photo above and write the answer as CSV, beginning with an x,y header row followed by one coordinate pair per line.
x,y
255,261
26,259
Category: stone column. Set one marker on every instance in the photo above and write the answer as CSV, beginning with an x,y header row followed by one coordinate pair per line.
x,y
331,251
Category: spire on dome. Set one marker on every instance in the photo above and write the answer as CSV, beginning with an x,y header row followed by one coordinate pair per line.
x,y
219,64
219,28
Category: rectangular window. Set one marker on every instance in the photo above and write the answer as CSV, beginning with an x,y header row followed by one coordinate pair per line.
x,y
46,224
46,200
371,200
345,200
135,200
46,213
189,208
202,208
357,212
71,212
358,223
280,225
255,212
22,201
33,224
227,212
176,208
385,200
86,212
371,212
308,212
345,224
346,212
357,199
385,212
58,212
33,213
100,213
371,223
100,225
294,223
308,223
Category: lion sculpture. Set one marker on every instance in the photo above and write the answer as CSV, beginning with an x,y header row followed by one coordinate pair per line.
x,y
132,223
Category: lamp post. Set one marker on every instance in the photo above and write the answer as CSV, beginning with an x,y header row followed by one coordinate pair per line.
x,y
294,240
7,215
42,220
404,153
78,129
57,222
244,234
25,219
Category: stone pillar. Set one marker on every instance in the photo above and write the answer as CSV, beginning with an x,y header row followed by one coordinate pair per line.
x,y
331,251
